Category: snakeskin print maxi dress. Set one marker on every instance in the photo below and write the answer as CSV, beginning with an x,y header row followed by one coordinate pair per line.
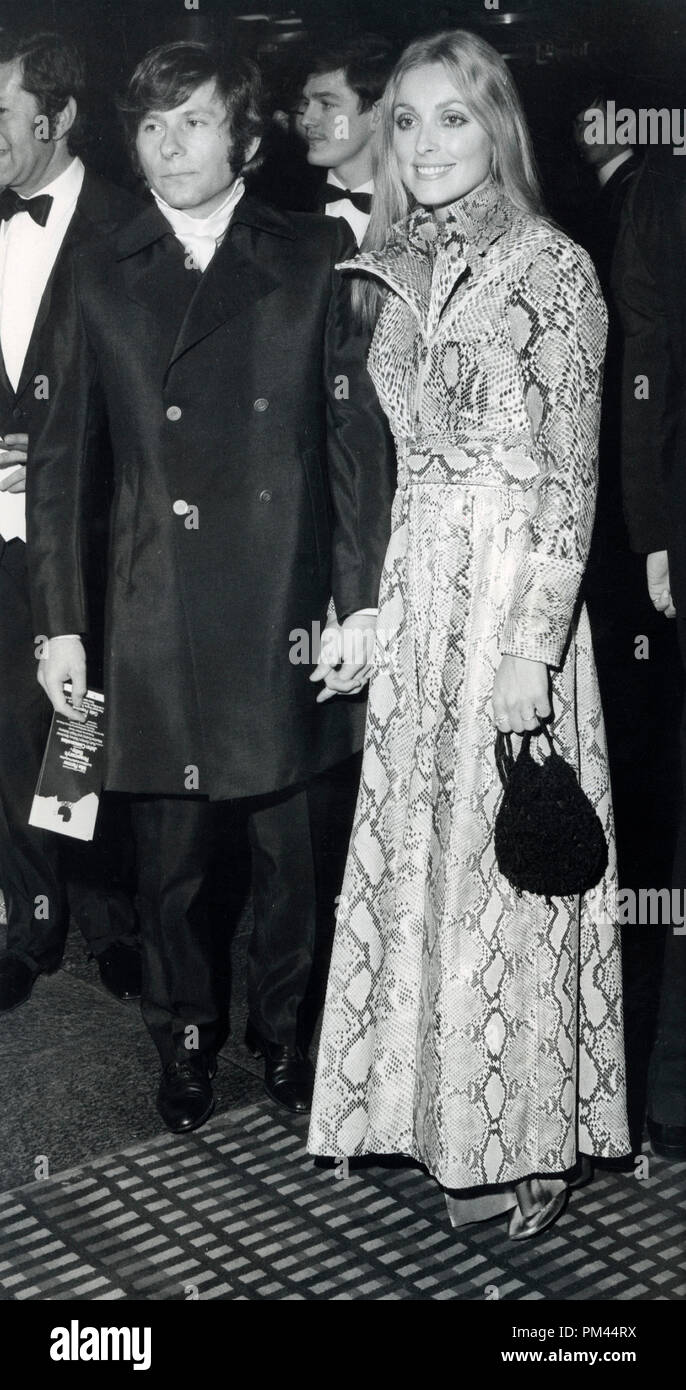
x,y
474,1030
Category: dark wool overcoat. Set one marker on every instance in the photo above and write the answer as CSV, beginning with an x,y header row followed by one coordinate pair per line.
x,y
252,481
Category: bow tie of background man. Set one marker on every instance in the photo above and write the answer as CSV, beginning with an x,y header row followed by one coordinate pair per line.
x,y
361,201
38,208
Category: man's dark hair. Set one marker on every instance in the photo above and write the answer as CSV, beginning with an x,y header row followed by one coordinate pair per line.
x,y
584,85
52,72
167,76
366,61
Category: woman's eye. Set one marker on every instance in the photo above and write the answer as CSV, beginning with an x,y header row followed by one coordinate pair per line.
x,y
454,118
403,122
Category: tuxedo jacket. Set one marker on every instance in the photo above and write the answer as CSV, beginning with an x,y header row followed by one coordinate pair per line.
x,y
607,214
611,568
100,208
253,479
287,180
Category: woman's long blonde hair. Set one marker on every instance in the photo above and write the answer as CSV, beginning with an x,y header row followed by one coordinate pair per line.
x,y
484,82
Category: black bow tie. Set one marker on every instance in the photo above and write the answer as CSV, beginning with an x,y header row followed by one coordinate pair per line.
x,y
361,201
38,208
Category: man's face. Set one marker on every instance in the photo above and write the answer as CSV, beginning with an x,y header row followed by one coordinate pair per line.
x,y
24,155
331,122
185,153
587,123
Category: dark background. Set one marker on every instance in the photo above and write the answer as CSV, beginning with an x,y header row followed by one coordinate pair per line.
x,y
641,44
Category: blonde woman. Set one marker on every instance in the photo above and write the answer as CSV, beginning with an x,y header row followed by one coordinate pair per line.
x,y
472,1029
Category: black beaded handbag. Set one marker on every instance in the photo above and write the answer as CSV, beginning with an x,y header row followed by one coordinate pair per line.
x,y
548,838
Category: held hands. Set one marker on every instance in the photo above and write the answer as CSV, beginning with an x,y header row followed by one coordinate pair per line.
x,y
64,660
521,694
13,449
657,572
345,655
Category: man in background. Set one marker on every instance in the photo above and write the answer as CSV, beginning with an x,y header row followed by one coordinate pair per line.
x,y
50,203
614,167
650,291
338,117
636,694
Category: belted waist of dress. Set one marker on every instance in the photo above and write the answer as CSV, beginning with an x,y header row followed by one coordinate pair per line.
x,y
483,462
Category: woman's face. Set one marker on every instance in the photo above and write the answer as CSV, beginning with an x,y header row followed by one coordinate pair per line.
x,y
441,149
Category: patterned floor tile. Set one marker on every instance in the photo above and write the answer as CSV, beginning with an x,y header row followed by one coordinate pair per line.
x,y
240,1211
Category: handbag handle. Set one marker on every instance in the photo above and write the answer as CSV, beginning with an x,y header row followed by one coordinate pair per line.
x,y
505,758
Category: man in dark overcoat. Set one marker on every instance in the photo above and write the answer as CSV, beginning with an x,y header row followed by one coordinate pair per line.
x,y
253,476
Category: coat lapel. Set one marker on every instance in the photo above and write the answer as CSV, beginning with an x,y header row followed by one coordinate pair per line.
x,y
407,274
423,262
91,211
155,271
187,305
232,283
6,387
73,234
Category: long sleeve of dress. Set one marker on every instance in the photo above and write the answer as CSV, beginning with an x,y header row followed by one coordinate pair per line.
x,y
558,324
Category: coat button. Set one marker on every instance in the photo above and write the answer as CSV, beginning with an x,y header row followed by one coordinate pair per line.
x,y
180,507
265,495
261,403
17,413
174,412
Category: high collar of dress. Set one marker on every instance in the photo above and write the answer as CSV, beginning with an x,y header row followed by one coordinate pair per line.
x,y
475,221
423,258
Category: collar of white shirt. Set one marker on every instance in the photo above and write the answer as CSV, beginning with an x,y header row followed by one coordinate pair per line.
x,y
334,180
64,190
606,171
201,235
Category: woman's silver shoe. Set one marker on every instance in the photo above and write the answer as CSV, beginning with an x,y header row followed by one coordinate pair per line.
x,y
523,1227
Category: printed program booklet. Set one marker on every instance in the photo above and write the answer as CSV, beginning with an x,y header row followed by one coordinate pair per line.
x,y
70,781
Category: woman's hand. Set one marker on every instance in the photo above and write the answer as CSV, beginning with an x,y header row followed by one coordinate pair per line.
x,y
521,694
345,658
659,587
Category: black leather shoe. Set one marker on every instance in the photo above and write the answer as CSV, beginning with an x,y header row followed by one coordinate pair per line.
x,y
185,1100
669,1141
288,1072
120,970
16,982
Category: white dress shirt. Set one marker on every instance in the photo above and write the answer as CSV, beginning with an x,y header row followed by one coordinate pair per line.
x,y
27,256
342,207
606,171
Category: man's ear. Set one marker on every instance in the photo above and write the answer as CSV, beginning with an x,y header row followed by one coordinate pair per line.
x,y
376,114
64,120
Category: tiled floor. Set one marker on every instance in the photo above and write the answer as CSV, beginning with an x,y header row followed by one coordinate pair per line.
x,y
99,1202
239,1211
